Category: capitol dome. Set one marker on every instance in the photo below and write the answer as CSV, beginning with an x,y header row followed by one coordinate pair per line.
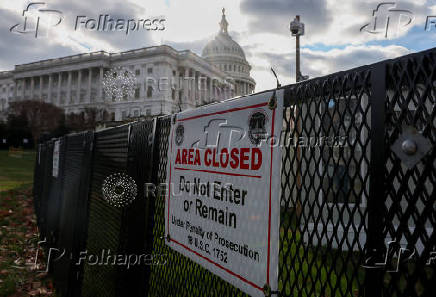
x,y
227,55
223,45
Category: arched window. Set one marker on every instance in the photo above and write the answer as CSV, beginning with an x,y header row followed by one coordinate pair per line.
x,y
149,92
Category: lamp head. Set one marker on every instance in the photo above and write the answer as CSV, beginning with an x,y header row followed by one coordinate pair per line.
x,y
296,27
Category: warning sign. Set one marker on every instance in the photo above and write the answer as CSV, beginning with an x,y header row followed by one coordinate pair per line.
x,y
222,204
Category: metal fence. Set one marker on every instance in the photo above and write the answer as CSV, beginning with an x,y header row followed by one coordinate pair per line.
x,y
357,204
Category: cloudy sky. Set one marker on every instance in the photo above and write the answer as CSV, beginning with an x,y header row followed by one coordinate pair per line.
x,y
333,41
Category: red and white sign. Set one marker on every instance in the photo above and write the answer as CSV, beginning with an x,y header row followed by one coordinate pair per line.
x,y
222,206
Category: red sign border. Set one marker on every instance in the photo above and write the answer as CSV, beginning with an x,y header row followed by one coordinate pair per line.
x,y
270,188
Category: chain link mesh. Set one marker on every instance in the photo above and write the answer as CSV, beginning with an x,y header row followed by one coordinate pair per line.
x,y
345,194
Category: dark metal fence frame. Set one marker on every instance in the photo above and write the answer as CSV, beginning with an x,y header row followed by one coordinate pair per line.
x,y
339,266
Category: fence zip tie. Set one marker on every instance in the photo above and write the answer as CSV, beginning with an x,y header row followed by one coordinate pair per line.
x,y
272,103
268,292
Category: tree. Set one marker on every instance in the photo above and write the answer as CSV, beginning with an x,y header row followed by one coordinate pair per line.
x,y
87,119
40,116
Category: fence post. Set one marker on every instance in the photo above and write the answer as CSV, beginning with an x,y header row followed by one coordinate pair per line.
x,y
138,216
154,179
375,248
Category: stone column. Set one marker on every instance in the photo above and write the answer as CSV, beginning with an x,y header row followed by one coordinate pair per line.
x,y
176,86
89,85
16,89
49,87
79,85
192,80
41,80
202,86
196,89
186,86
100,86
69,98
32,86
210,89
59,88
217,90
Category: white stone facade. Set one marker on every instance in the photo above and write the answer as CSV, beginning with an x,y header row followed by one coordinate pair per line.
x,y
167,81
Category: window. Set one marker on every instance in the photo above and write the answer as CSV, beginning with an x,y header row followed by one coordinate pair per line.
x,y
136,113
225,67
149,92
137,92
174,73
149,70
137,72
148,112
173,94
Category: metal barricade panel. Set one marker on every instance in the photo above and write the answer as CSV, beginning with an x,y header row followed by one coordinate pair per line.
x,y
409,207
180,276
326,153
77,168
104,223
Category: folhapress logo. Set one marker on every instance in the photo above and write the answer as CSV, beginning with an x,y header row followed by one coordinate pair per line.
x,y
218,133
388,19
38,20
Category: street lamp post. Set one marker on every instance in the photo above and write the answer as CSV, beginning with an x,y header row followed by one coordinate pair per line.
x,y
297,30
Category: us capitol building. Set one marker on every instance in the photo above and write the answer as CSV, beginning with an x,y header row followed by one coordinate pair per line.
x,y
166,80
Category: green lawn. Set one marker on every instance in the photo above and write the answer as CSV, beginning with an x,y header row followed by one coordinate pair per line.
x,y
16,169
18,231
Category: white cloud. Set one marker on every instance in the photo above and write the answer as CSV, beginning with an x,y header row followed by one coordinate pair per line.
x,y
319,63
260,27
